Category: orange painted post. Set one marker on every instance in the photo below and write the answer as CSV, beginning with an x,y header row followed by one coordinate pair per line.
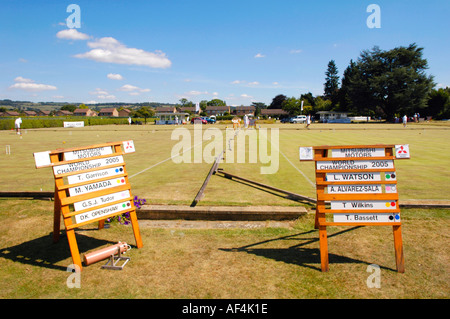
x,y
323,242
91,184
359,184
133,216
54,158
56,217
398,246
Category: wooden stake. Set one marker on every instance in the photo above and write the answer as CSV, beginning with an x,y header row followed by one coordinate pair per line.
x,y
398,246
323,240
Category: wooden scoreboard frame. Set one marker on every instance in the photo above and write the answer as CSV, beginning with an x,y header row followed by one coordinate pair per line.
x,y
92,159
374,162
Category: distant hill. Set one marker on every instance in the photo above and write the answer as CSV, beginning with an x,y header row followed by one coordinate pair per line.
x,y
50,106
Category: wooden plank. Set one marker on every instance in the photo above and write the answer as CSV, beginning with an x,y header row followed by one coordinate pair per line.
x,y
375,170
81,161
63,187
359,182
330,147
365,211
323,244
133,216
74,213
73,226
340,159
398,246
358,197
79,148
56,206
79,198
91,170
360,224
212,171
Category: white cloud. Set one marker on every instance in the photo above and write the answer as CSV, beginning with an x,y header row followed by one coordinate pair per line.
x,y
245,83
72,34
259,55
114,76
23,80
275,83
57,96
109,50
246,96
196,93
99,91
107,97
133,90
29,85
102,94
128,87
296,51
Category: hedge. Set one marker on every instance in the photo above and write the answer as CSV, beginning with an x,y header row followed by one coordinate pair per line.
x,y
43,122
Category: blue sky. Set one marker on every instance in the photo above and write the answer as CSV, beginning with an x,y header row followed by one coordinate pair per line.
x,y
238,51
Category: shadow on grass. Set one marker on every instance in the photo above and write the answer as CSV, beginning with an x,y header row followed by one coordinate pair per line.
x,y
268,191
43,252
298,254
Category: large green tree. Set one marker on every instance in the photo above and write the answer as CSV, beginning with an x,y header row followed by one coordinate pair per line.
x,y
216,102
439,104
277,102
145,112
69,107
258,106
292,105
390,82
331,86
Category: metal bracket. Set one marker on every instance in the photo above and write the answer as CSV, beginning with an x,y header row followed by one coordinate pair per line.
x,y
114,261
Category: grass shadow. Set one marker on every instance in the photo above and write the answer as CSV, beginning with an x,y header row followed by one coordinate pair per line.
x,y
268,191
43,252
298,254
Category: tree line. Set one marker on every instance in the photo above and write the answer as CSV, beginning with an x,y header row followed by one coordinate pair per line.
x,y
379,83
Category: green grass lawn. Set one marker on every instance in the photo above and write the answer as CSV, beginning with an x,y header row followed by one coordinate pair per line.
x,y
281,263
155,176
229,263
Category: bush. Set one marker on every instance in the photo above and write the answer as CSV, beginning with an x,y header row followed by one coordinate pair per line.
x,y
225,118
7,123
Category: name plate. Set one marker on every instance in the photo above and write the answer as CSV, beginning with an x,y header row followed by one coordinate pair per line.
x,y
90,152
363,205
108,172
366,218
93,187
97,201
358,152
88,164
103,212
354,165
354,189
